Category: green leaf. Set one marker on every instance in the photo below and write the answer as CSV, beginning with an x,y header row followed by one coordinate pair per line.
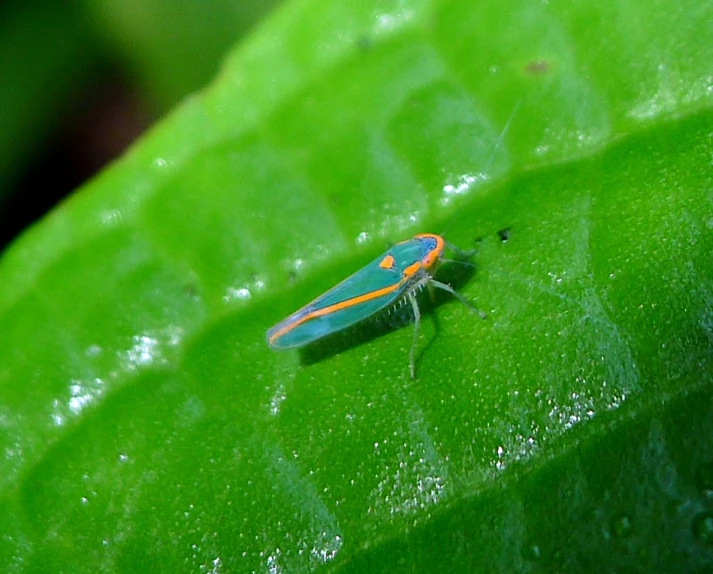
x,y
146,425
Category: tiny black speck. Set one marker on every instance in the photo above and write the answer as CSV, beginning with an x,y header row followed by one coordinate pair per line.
x,y
504,234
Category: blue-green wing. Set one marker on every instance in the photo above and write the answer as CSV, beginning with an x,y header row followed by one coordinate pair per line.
x,y
352,300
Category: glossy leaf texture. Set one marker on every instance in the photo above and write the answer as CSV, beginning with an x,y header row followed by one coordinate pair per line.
x,y
146,426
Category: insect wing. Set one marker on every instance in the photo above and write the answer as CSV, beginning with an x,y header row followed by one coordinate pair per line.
x,y
362,294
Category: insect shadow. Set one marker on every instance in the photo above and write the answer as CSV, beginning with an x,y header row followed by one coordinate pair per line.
x,y
455,273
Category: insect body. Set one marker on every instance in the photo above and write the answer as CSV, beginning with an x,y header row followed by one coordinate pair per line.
x,y
400,272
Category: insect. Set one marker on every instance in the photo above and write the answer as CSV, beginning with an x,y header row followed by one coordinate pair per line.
x,y
399,273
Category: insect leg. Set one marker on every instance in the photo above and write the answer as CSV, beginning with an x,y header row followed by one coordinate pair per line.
x,y
459,261
457,295
417,323
462,254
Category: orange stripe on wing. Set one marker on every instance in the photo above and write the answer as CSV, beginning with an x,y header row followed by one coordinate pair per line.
x,y
339,306
411,270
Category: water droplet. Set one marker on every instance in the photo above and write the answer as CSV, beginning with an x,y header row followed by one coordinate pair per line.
x,y
464,183
93,351
237,293
112,217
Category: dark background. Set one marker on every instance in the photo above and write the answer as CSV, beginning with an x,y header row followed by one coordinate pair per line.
x,y
81,80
